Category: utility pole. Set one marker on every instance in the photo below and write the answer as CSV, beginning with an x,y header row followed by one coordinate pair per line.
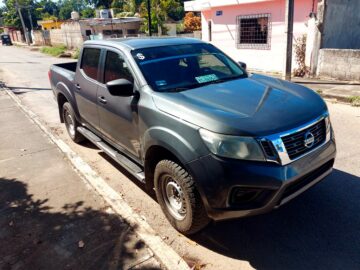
x,y
30,18
149,16
289,24
22,22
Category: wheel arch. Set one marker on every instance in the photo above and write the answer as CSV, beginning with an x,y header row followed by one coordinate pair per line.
x,y
64,95
161,143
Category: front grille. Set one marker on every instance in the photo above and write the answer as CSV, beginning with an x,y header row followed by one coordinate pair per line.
x,y
295,144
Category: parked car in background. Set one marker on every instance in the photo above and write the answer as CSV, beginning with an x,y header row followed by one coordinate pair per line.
x,y
213,141
5,40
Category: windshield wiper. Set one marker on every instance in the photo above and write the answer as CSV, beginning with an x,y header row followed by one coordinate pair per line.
x,y
183,88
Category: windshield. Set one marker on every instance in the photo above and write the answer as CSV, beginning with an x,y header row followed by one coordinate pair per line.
x,y
183,67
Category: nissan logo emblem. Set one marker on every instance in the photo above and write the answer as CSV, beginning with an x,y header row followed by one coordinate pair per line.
x,y
309,139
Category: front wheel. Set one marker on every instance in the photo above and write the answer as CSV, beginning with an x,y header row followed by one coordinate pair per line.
x,y
178,198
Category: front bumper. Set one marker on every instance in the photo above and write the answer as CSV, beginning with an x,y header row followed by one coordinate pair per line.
x,y
271,184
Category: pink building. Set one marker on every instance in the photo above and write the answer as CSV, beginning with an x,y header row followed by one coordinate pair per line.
x,y
251,31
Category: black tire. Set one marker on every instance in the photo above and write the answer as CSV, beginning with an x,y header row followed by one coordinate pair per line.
x,y
192,216
71,123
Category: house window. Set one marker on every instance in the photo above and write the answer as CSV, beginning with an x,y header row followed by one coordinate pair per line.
x,y
107,32
116,32
253,31
131,31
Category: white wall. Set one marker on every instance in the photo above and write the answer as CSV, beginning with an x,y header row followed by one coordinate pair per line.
x,y
224,31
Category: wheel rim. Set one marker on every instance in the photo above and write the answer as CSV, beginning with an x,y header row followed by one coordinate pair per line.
x,y
174,198
69,122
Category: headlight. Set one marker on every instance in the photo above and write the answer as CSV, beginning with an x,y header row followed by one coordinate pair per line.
x,y
232,146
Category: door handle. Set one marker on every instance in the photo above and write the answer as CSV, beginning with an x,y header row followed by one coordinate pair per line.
x,y
77,86
102,100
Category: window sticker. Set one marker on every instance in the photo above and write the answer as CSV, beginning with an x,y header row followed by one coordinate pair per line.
x,y
206,78
161,83
140,56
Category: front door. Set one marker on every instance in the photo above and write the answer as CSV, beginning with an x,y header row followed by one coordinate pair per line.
x,y
86,86
118,115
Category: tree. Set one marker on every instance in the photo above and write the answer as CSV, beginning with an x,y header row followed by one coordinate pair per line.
x,y
160,13
100,3
191,22
117,4
67,6
11,15
87,12
46,7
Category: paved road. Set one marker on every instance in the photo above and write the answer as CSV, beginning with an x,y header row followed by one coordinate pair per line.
x,y
318,230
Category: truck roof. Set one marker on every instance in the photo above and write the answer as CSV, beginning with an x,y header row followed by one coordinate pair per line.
x,y
140,43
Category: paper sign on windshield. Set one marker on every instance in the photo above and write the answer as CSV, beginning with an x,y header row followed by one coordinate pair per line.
x,y
206,78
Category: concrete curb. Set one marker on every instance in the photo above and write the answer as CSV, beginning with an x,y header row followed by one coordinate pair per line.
x,y
341,99
167,256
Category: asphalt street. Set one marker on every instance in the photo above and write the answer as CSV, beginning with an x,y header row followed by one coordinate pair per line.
x,y
318,230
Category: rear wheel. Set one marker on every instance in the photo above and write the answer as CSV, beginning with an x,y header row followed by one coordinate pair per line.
x,y
71,124
179,198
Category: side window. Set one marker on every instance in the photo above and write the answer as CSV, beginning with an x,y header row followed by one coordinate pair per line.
x,y
116,68
90,62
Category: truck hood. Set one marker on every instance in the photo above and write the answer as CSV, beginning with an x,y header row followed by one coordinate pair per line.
x,y
253,106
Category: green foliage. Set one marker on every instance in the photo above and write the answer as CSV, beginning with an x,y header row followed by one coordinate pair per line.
x,y
54,51
161,10
117,4
160,13
124,14
355,101
100,3
180,28
67,6
76,54
133,5
87,12
47,16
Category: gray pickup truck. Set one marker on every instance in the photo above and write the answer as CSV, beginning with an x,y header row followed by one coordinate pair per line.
x,y
213,141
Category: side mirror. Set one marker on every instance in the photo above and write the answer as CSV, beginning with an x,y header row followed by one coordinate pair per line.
x,y
242,65
121,87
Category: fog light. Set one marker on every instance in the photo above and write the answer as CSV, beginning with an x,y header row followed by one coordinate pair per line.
x,y
240,196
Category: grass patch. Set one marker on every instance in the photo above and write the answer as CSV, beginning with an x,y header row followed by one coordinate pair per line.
x,y
355,101
75,54
54,51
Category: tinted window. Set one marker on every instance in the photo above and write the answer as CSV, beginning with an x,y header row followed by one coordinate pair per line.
x,y
116,68
90,62
183,67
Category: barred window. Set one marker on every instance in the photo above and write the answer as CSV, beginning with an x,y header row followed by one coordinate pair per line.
x,y
253,31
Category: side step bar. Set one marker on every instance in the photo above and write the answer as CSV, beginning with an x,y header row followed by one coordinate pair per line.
x,y
123,160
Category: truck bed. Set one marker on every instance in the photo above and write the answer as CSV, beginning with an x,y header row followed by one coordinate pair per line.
x,y
68,66
64,72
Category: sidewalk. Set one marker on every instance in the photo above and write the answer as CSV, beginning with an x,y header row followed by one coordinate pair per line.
x,y
341,90
49,218
345,91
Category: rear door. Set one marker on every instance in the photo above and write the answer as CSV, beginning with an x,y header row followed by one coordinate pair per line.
x,y
118,115
86,85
